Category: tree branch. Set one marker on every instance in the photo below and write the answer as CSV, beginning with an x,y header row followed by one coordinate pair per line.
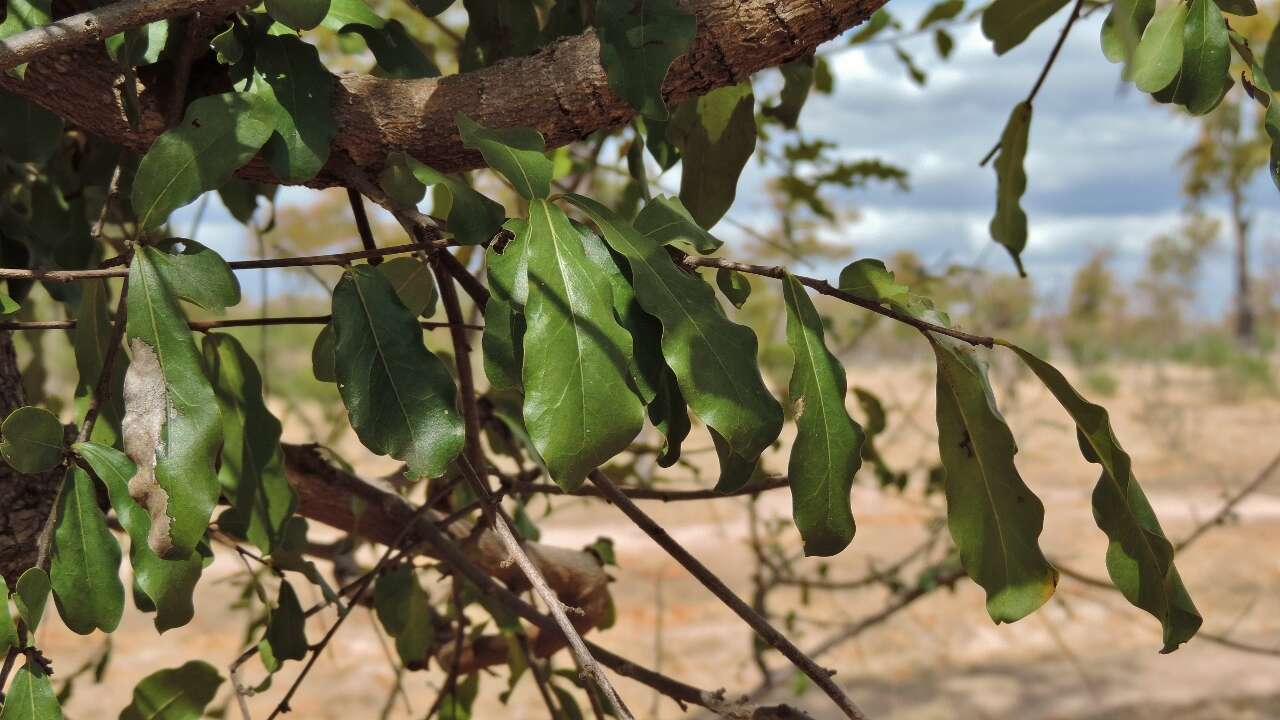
x,y
205,325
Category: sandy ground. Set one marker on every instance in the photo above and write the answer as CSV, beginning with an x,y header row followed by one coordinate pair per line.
x,y
1085,655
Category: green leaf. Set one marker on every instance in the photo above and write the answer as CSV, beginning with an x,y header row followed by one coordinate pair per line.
x,y
413,283
1139,557
172,429
1244,8
1123,28
646,364
797,79
219,134
168,584
1006,23
31,696
30,595
399,395
472,218
638,42
286,636
578,407
298,14
32,440
941,12
1009,226
869,279
1158,57
994,518
827,449
28,132
8,630
398,55
716,134
1271,58
878,22
734,285
516,152
666,220
504,323
322,356
1206,60
84,566
298,90
91,340
175,694
405,612
24,15
252,468
139,46
714,360
196,274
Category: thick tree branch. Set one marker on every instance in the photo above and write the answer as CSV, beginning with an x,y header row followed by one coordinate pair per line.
x,y
562,90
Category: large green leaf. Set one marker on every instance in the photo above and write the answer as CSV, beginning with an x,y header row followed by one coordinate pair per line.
x,y
1009,226
578,406
172,429
252,469
91,341
666,220
828,445
472,218
1008,22
1139,557
32,440
646,364
714,360
994,517
196,274
28,132
504,326
219,134
638,42
168,584
716,134
298,14
84,566
176,694
31,696
297,87
1158,57
30,594
1205,75
399,395
1123,28
516,152
286,635
24,15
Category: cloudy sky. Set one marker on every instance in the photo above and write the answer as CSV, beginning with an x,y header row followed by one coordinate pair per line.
x,y
1102,164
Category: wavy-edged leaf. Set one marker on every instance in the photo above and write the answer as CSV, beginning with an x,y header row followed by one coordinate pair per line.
x,y
716,134
218,135
168,584
714,359
298,14
172,429
298,88
638,42
31,440
31,696
30,594
515,152
1009,226
252,467
579,407
286,635
196,273
84,565
1158,57
666,220
994,517
1007,23
472,218
180,693
400,397
828,445
1139,556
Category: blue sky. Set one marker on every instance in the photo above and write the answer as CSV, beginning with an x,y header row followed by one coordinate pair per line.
x,y
1102,165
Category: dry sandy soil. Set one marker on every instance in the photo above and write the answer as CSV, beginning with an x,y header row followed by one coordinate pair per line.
x,y
1085,655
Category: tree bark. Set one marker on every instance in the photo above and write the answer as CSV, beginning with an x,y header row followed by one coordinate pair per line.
x,y
562,90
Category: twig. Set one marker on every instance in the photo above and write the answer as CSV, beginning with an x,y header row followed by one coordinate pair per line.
x,y
203,325
462,356
1229,506
478,293
639,493
182,70
99,24
709,580
362,224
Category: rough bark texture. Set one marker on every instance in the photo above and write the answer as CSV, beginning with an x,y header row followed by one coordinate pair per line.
x,y
561,90
25,500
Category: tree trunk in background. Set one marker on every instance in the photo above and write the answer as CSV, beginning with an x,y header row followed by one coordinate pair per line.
x,y
1245,329
25,500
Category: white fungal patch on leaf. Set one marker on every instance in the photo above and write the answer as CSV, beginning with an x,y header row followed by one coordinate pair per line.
x,y
146,404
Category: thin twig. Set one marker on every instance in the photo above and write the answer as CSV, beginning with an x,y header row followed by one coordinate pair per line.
x,y
640,493
1229,506
203,325
820,676
362,224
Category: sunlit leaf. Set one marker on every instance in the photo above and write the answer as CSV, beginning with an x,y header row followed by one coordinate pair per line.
x,y
716,134
472,218
666,220
1158,57
297,88
30,696
517,153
